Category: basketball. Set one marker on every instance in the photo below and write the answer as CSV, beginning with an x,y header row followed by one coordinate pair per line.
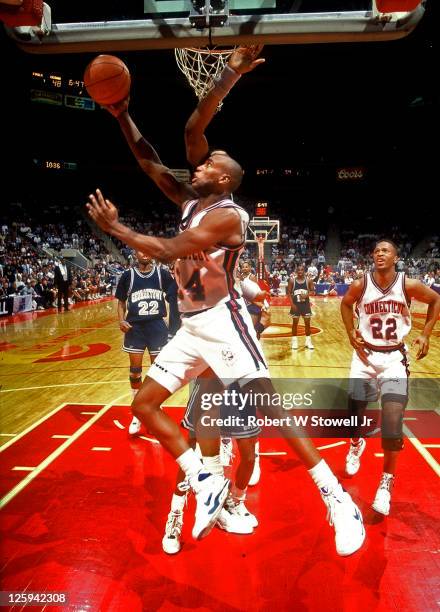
x,y
107,79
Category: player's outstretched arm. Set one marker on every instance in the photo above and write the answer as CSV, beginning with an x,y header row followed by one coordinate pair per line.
x,y
417,290
223,225
147,156
243,59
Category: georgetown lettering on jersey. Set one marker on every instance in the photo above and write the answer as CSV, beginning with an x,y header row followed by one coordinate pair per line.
x,y
146,294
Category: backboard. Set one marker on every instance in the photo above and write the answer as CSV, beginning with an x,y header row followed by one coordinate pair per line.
x,y
102,26
268,229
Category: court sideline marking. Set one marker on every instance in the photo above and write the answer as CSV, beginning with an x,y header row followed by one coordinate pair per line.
x,y
43,465
99,382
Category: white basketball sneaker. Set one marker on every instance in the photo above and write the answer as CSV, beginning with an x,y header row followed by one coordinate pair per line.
x,y
135,426
309,343
353,458
173,529
241,510
346,518
256,473
232,522
382,501
210,491
294,343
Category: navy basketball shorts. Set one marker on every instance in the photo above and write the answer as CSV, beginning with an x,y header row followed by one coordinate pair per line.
x,y
149,335
230,422
302,310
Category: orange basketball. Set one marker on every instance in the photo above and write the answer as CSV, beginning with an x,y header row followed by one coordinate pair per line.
x,y
107,79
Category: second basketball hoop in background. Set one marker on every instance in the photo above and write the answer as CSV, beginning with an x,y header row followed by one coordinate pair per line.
x,y
107,79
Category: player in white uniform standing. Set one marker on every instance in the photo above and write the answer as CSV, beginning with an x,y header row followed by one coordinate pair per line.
x,y
217,330
379,365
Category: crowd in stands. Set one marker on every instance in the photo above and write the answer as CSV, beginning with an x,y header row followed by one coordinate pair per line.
x,y
29,253
29,248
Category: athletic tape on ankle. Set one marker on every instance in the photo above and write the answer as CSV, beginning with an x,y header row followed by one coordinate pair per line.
x,y
225,82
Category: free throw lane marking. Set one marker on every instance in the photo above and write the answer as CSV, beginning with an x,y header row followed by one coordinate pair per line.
x,y
22,468
43,465
149,439
31,427
101,448
331,445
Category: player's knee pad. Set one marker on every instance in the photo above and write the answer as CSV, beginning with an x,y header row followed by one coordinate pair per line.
x,y
135,375
393,408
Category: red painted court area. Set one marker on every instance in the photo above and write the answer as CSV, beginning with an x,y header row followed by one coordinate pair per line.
x,y
90,522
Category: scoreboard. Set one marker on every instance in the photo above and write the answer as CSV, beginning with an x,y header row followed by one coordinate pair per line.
x,y
58,90
261,209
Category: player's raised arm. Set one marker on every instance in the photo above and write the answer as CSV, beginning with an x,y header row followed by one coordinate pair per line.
x,y
147,156
221,225
417,290
243,59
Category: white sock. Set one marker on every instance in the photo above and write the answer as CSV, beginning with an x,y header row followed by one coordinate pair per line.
x,y
386,481
190,463
178,503
323,477
213,465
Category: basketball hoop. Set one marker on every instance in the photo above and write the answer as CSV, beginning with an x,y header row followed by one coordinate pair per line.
x,y
201,66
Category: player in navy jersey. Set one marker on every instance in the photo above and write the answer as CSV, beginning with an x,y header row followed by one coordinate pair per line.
x,y
216,329
299,289
141,293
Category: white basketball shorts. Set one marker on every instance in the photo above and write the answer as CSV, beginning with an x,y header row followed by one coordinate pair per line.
x,y
222,338
385,374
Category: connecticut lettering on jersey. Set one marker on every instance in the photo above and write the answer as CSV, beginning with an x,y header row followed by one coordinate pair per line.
x,y
200,256
384,315
207,278
388,306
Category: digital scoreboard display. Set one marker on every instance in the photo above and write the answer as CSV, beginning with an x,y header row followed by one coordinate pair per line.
x,y
261,209
59,90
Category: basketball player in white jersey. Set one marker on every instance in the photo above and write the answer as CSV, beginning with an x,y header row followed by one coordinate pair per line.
x,y
380,365
216,331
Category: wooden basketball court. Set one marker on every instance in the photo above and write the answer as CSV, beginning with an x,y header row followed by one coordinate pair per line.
x,y
84,506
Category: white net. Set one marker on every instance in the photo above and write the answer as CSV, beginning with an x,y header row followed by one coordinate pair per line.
x,y
202,66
